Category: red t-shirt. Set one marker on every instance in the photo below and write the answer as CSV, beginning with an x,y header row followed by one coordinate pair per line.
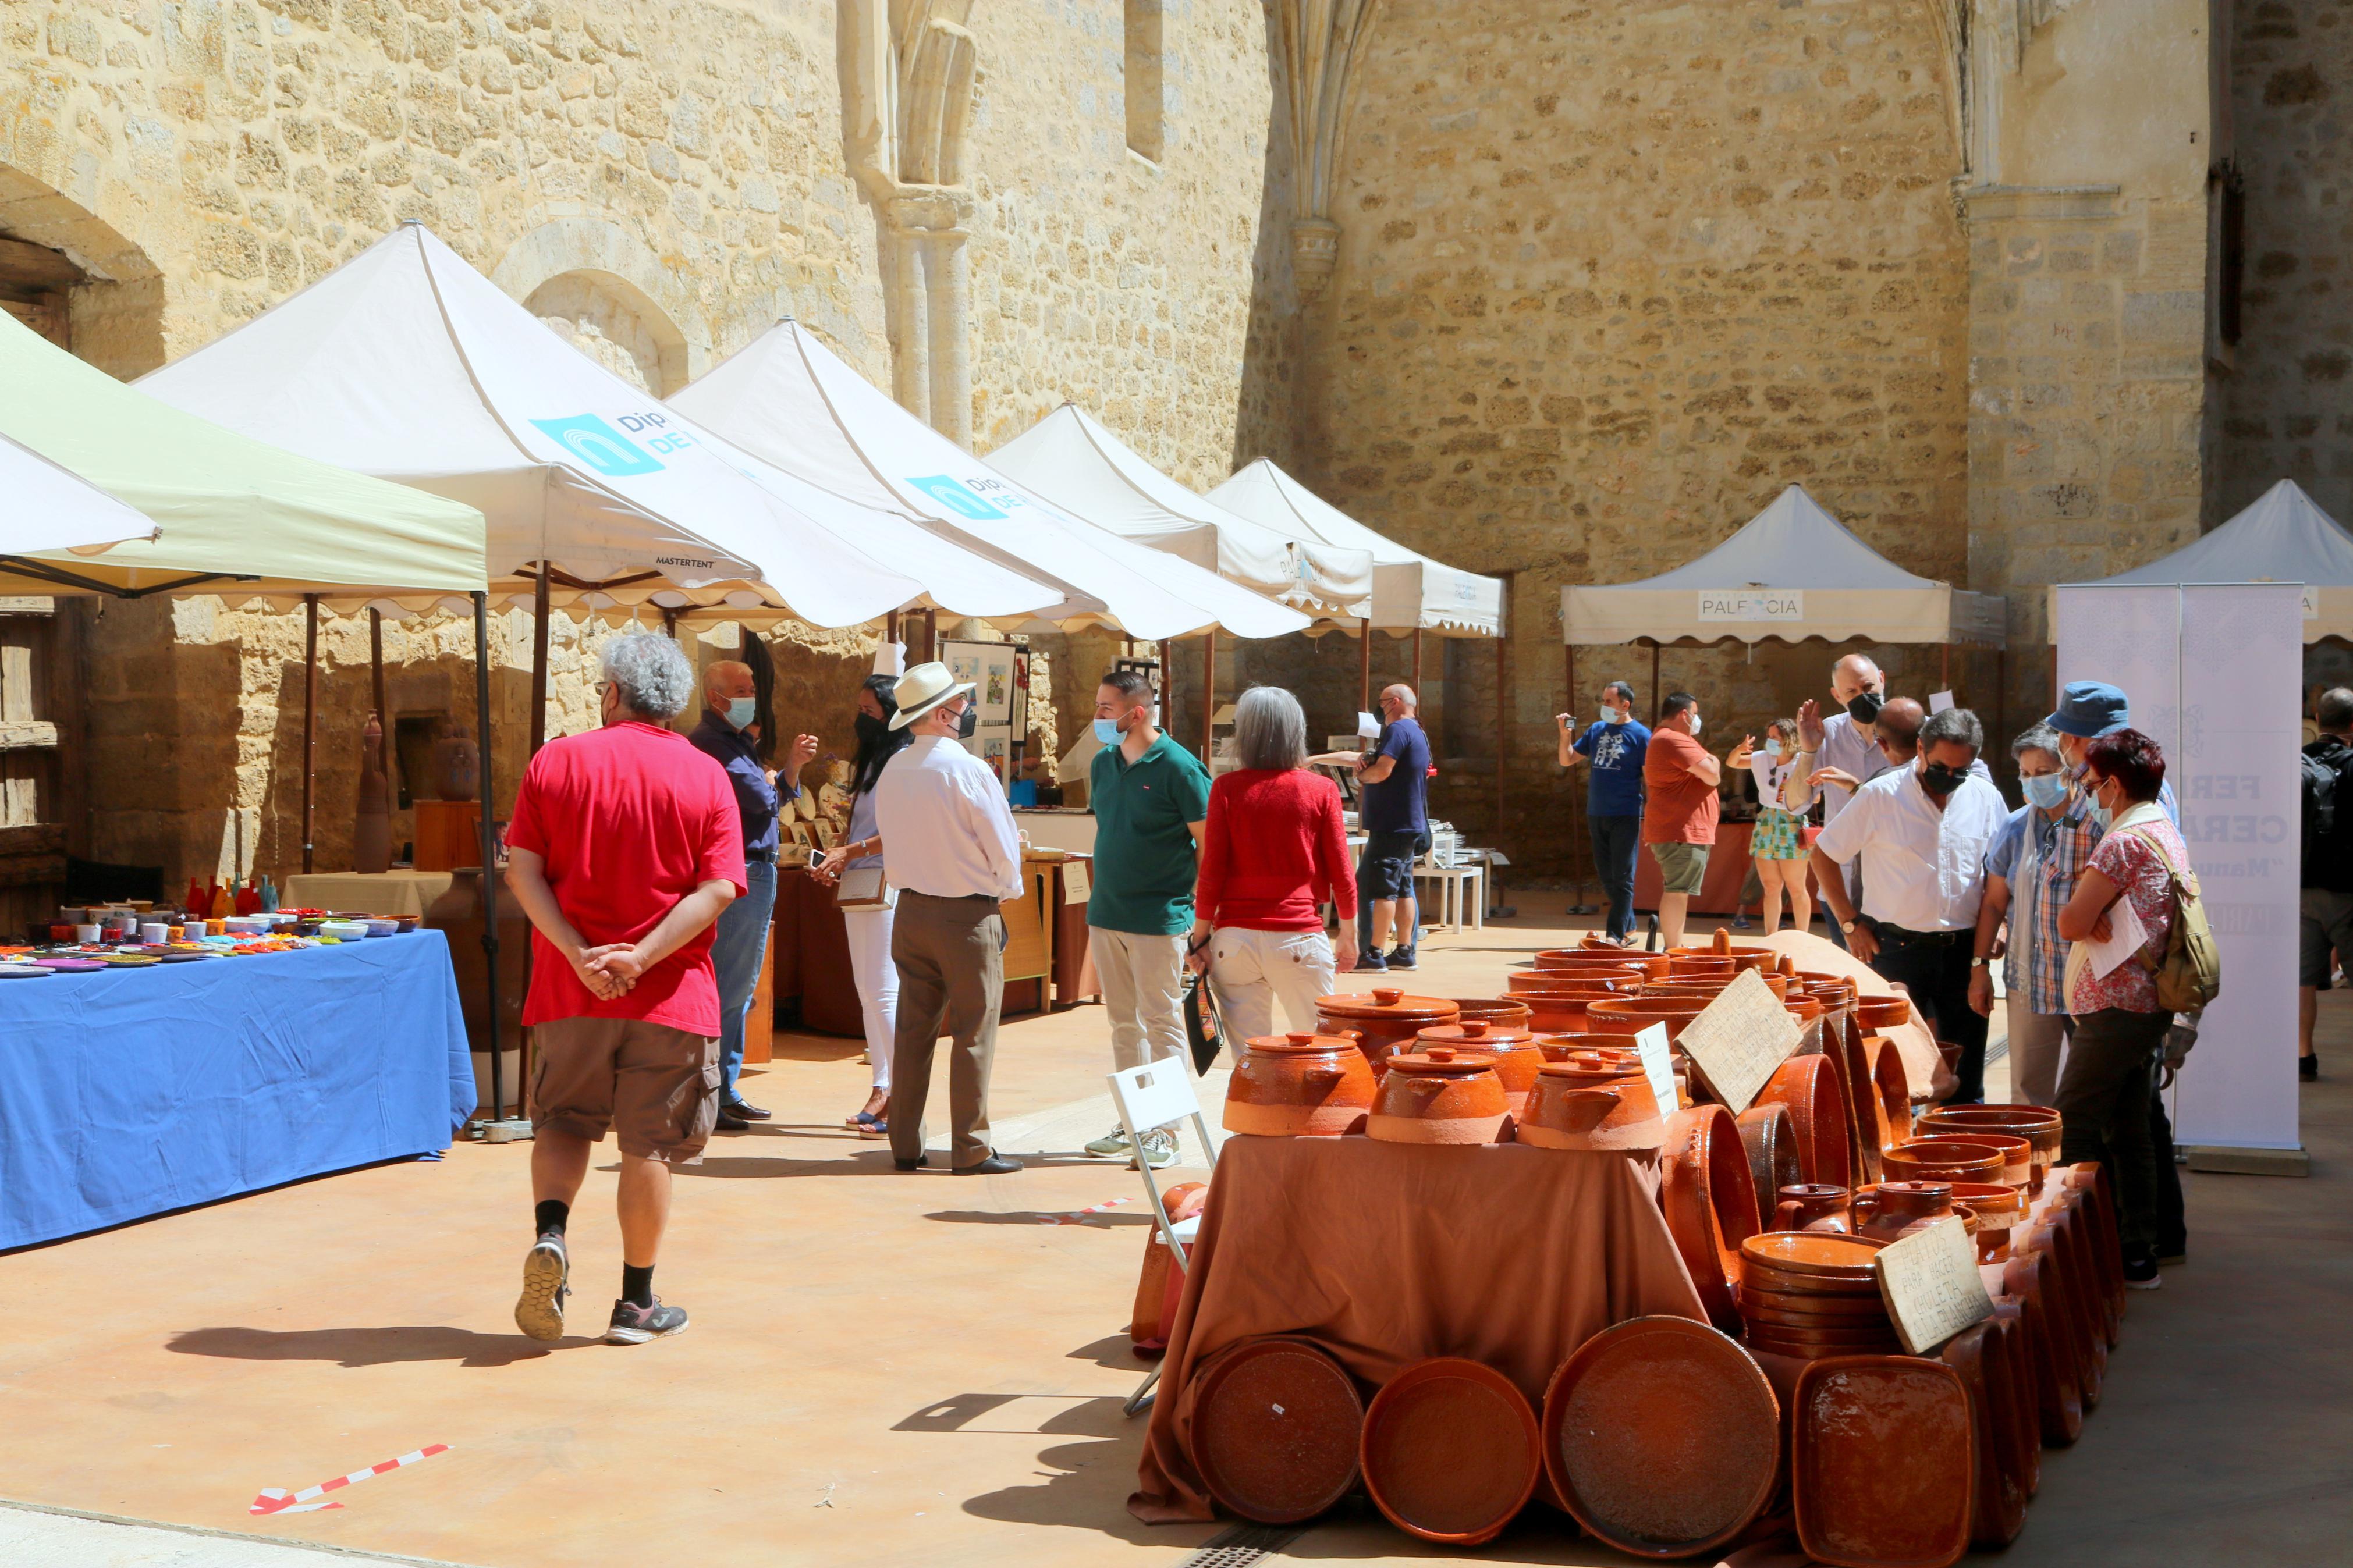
x,y
629,819
1682,808
1273,847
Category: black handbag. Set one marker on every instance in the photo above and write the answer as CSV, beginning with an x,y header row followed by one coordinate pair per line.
x,y
1202,1026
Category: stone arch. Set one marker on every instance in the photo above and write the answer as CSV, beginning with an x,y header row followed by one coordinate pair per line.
x,y
606,292
113,314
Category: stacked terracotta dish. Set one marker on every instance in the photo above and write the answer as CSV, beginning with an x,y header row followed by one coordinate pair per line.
x,y
1810,1294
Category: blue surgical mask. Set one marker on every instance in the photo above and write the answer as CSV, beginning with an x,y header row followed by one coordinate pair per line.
x,y
1773,748
2103,816
2044,791
1107,732
741,711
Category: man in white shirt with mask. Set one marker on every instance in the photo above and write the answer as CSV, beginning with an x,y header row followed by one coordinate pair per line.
x,y
1845,742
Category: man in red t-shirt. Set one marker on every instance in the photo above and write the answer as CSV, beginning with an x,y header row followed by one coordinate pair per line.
x,y
625,847
1679,817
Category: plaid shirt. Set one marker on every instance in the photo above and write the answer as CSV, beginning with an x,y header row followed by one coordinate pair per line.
x,y
2041,860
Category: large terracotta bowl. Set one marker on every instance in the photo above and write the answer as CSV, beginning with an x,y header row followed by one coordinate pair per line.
x,y
1607,956
1943,1160
1508,1011
1632,1014
1439,1095
1873,1014
1298,1085
2018,1167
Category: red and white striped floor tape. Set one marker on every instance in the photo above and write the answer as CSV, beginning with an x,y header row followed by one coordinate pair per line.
x,y
273,1500
1079,1215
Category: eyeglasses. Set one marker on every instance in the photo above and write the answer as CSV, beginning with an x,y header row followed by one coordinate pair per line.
x,y
603,687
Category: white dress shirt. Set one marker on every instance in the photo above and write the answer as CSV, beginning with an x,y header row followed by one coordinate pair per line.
x,y
946,827
1922,868
1848,746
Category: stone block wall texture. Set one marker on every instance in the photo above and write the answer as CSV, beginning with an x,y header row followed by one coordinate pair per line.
x,y
1611,277
660,181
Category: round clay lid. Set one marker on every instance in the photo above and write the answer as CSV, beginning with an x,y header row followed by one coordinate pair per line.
x,y
1477,1034
1298,1044
1388,1005
1441,1061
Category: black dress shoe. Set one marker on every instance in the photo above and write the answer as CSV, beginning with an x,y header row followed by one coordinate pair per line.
x,y
995,1165
745,1109
731,1122
906,1164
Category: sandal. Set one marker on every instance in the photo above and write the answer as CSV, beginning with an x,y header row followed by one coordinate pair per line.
x,y
875,1129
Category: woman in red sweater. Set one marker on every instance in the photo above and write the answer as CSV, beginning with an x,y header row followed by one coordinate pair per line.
x,y
1273,851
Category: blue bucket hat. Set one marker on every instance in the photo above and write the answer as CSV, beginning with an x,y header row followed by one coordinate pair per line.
x,y
2090,709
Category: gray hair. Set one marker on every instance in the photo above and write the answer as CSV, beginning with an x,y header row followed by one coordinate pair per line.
x,y
651,673
1270,732
1954,724
2036,737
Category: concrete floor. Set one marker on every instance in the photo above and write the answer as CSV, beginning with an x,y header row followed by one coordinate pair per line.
x,y
888,1369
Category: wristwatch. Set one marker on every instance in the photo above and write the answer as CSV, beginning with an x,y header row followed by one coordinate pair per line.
x,y
1848,926
1979,961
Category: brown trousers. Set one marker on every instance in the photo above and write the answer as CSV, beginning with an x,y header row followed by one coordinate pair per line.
x,y
950,954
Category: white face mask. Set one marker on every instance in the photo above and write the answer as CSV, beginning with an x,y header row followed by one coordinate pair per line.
x,y
1694,722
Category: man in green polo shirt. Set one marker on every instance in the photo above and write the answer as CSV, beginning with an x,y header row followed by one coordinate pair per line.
x,y
1150,798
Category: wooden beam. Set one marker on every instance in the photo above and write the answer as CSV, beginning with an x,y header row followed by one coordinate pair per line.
x,y
28,735
30,266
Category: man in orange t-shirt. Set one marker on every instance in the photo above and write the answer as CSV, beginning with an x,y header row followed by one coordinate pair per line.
x,y
1679,818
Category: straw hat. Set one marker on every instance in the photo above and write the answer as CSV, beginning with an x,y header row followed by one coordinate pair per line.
x,y
923,689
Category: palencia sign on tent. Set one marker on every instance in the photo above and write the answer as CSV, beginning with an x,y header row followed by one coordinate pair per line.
x,y
1752,605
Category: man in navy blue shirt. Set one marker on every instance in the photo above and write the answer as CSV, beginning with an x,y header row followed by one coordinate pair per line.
x,y
1615,745
1394,814
730,732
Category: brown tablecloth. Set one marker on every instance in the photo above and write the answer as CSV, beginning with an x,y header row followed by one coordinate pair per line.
x,y
1386,1253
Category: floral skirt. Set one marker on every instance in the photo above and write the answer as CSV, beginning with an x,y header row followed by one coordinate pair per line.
x,y
1775,837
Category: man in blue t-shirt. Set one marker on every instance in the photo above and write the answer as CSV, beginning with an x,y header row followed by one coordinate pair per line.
x,y
1615,746
1395,817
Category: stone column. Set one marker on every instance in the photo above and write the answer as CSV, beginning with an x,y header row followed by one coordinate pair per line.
x,y
948,304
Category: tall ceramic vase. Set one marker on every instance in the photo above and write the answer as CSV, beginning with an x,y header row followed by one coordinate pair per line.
x,y
372,827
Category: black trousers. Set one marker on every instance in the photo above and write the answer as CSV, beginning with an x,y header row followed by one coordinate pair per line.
x,y
2104,1104
1616,840
2172,1222
1934,968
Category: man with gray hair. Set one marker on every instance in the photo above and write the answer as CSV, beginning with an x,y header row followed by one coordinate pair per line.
x,y
1843,745
730,735
624,848
1921,830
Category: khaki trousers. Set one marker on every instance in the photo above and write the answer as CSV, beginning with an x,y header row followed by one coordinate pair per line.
x,y
950,954
2036,1039
1144,990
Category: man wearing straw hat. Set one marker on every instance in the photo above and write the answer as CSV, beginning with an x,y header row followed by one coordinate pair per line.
x,y
950,847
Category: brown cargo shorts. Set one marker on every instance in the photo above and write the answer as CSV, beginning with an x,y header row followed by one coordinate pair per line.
x,y
657,1088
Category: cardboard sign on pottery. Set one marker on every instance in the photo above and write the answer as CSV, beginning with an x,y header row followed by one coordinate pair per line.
x,y
1658,1066
1740,1038
1930,1282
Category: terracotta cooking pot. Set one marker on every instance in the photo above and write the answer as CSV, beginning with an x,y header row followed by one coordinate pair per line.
x,y
1439,1095
2000,1208
1815,977
1591,1102
1894,1209
1811,1206
1697,965
1710,1203
1632,1014
1556,1047
1298,1085
1562,1010
1876,1012
1382,1022
1521,980
1607,956
1710,984
1721,947
1515,1051
1942,1160
2017,1165
2038,1124
1508,1011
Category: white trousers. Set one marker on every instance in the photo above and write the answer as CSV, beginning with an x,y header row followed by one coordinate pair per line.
x,y
1252,968
877,979
1143,988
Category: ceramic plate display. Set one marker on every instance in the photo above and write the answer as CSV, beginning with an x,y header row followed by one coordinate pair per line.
x,y
1276,1428
1883,1462
1451,1451
1662,1437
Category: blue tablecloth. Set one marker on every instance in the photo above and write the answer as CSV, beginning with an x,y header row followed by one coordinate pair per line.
x,y
129,1094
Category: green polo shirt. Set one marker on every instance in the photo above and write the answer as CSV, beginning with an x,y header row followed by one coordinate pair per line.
x,y
1144,861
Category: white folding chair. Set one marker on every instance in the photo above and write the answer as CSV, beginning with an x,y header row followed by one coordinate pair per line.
x,y
1159,1094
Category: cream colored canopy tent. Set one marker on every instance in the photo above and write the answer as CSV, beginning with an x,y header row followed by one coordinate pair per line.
x,y
406,363
789,399
1792,571
1069,459
2283,537
227,514
1410,591
54,510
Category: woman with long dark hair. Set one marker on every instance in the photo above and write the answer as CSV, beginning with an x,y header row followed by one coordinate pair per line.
x,y
869,930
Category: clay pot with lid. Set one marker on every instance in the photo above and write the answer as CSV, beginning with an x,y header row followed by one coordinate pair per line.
x,y
1385,1021
1515,1051
1894,1209
1586,1100
1298,1086
1811,1205
1439,1095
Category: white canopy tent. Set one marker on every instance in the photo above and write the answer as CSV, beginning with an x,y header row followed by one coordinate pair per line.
x,y
1069,459
791,400
2283,537
1792,571
1410,591
50,508
406,363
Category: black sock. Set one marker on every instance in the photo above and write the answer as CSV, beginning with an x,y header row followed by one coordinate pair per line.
x,y
550,1215
638,1284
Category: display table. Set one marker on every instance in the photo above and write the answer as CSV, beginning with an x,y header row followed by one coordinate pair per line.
x,y
375,893
1386,1253
132,1093
1719,890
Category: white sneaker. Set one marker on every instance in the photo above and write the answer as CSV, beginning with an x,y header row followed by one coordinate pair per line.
x,y
1112,1145
1159,1147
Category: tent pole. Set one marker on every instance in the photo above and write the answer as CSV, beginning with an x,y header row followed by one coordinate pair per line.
x,y
1503,712
1167,651
538,663
1417,664
1581,861
1657,696
1208,691
489,866
1945,666
310,717
2001,693
375,671
1364,665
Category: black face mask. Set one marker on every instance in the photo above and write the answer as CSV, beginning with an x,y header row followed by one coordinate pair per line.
x,y
969,722
1941,781
871,729
1863,707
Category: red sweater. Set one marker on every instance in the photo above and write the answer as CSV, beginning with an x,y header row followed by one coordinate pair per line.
x,y
1274,847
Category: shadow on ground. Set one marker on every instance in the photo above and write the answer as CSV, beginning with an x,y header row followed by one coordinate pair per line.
x,y
366,1347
